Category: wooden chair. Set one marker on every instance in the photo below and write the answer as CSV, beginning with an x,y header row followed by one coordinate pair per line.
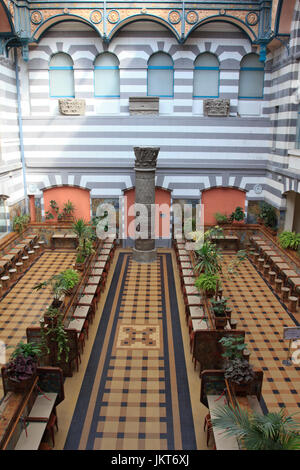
x,y
50,426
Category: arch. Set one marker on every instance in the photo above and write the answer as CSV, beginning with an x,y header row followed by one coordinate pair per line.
x,y
251,83
61,76
54,20
107,75
228,19
6,20
160,75
147,17
162,199
221,199
206,76
78,195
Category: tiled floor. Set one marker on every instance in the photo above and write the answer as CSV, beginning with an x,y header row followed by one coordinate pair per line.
x,y
22,306
260,313
135,392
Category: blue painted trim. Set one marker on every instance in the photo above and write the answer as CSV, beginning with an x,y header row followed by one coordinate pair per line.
x,y
160,67
255,69
251,97
62,96
225,19
60,68
106,67
206,68
143,17
209,68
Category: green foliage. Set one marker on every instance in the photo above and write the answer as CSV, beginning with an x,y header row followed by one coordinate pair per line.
x,y
289,240
79,227
233,347
237,215
268,214
219,306
20,222
221,218
208,259
55,331
273,431
60,283
68,278
26,350
207,282
215,231
68,207
239,371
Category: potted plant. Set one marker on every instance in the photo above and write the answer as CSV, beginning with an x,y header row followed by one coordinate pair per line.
x,y
208,284
233,347
79,227
68,278
289,240
54,338
68,210
268,216
219,311
22,367
208,259
239,373
238,215
271,431
221,219
57,286
20,222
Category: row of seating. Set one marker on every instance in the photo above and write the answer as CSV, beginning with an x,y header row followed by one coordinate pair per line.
x,y
194,309
16,260
84,308
277,270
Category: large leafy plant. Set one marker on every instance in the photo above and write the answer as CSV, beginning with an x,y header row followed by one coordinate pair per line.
x,y
23,362
208,283
268,214
289,240
208,258
20,222
239,371
233,347
273,431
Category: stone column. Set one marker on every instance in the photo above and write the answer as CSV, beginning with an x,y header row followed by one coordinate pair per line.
x,y
145,165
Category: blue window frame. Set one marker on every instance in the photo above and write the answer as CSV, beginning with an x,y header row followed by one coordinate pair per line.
x,y
61,76
160,75
252,72
107,76
206,76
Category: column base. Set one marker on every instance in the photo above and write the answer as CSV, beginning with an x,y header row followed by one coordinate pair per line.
x,y
144,256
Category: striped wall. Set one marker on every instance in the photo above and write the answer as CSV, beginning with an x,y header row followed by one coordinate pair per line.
x,y
247,150
133,47
11,177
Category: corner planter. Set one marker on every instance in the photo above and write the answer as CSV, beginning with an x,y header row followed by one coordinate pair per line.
x,y
242,389
220,322
23,385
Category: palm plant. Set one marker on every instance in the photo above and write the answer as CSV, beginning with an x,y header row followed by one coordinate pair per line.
x,y
208,259
273,431
80,228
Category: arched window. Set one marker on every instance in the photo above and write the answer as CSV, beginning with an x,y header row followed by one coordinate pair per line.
x,y
160,75
206,76
61,75
107,75
251,77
